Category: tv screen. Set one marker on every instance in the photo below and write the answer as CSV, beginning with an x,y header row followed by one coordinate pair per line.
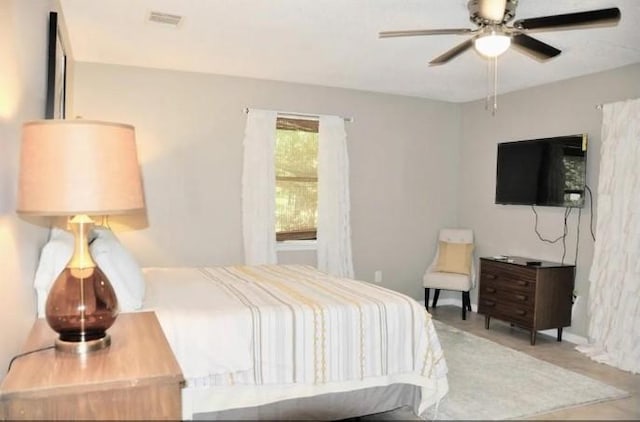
x,y
547,172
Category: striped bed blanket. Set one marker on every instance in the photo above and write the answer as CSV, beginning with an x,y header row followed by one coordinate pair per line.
x,y
291,325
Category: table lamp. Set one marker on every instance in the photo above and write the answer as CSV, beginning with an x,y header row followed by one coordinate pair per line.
x,y
79,168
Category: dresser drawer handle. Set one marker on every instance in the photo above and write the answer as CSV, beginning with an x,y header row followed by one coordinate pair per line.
x,y
522,283
491,276
521,312
521,297
490,289
489,303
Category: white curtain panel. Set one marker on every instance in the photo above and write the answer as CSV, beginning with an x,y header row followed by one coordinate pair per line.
x,y
334,226
614,295
259,188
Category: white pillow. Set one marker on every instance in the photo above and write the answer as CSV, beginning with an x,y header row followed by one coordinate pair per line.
x,y
55,255
120,267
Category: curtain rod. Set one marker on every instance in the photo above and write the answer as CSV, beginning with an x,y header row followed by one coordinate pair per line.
x,y
287,113
599,106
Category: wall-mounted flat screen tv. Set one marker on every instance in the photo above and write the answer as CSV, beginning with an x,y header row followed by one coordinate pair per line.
x,y
547,171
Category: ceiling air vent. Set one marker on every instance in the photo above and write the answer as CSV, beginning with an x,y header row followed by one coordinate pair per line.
x,y
165,18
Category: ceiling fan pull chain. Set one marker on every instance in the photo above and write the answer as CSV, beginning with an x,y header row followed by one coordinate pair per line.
x,y
495,86
492,85
487,99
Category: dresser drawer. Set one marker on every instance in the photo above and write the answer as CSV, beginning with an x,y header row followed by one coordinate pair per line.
x,y
522,314
506,278
508,294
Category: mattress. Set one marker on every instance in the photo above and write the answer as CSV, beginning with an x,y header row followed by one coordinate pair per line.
x,y
246,336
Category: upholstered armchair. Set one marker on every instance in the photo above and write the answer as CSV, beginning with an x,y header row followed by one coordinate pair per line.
x,y
453,267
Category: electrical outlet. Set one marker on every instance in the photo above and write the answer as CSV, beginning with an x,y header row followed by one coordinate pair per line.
x,y
377,276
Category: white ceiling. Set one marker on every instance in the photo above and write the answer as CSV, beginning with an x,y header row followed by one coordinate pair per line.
x,y
335,42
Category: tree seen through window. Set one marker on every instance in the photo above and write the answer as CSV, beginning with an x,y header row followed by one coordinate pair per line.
x,y
296,168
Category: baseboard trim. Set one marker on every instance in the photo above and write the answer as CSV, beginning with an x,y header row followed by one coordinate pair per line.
x,y
568,336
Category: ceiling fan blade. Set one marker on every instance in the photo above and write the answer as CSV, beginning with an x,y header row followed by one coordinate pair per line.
x,y
536,48
420,32
601,17
454,52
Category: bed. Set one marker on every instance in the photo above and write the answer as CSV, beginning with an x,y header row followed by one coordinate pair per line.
x,y
248,336
277,341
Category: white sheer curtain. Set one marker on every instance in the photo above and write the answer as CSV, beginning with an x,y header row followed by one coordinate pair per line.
x,y
334,226
614,295
258,188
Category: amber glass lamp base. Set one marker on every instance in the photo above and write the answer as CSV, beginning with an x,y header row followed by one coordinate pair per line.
x,y
82,304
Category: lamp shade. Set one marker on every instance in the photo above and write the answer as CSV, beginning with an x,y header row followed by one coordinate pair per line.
x,y
70,167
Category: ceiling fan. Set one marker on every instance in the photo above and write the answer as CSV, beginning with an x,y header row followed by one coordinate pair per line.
x,y
492,36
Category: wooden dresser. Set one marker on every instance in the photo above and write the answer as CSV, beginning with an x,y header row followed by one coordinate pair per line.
x,y
137,377
535,295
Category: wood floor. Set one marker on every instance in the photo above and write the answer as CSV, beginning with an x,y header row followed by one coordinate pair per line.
x,y
558,353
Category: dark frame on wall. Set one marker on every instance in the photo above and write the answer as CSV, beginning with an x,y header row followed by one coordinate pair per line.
x,y
56,72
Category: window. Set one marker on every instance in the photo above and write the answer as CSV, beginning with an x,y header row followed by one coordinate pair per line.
x,y
296,169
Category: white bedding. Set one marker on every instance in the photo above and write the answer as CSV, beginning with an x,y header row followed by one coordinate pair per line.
x,y
282,331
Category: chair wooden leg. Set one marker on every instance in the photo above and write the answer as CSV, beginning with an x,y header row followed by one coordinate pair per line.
x,y
464,307
426,298
466,304
436,295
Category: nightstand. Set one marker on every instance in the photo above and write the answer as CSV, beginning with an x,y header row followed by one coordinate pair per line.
x,y
136,378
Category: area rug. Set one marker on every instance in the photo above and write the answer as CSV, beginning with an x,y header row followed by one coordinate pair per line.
x,y
488,381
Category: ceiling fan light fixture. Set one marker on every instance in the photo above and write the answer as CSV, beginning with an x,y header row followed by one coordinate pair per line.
x,y
493,44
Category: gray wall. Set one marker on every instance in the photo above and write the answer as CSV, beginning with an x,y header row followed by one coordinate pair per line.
x,y
404,161
562,108
23,52
416,165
